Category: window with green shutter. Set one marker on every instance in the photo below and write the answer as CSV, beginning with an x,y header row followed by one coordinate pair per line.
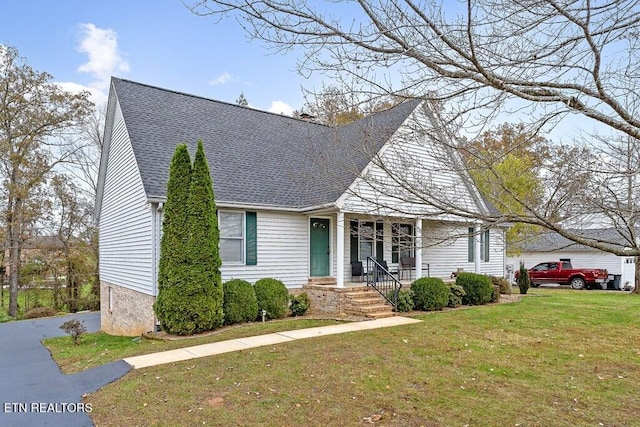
x,y
251,245
238,237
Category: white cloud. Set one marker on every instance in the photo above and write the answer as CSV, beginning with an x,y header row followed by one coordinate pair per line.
x,y
101,45
96,96
280,107
221,79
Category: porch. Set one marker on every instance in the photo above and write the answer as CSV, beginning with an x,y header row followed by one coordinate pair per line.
x,y
371,298
410,248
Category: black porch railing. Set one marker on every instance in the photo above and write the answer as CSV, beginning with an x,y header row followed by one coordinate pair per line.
x,y
380,279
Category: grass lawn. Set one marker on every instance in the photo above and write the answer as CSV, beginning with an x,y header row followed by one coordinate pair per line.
x,y
557,358
99,348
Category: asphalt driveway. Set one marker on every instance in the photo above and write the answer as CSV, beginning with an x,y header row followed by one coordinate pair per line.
x,y
33,391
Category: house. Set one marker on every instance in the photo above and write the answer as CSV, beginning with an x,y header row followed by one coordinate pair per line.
x,y
550,246
41,251
293,202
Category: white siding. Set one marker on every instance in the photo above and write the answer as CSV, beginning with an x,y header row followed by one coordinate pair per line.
x,y
425,169
444,256
283,250
125,219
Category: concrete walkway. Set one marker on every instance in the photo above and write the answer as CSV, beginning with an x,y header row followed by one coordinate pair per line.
x,y
261,340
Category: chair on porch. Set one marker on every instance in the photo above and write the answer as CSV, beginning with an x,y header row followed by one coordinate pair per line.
x,y
383,268
357,270
406,264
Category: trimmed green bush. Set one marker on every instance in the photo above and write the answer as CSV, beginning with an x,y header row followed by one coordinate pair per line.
x,y
502,283
273,297
240,302
405,300
456,293
478,288
430,293
299,304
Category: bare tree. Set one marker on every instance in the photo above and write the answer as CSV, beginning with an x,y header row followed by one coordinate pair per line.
x,y
473,61
333,106
35,117
88,141
561,57
72,223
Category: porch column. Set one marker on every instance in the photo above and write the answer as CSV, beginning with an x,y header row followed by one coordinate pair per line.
x,y
340,249
476,248
418,246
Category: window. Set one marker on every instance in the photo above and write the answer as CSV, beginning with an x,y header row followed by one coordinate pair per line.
x,y
231,236
485,243
366,240
484,246
402,242
238,237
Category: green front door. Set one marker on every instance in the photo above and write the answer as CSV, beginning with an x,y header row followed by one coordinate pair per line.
x,y
319,247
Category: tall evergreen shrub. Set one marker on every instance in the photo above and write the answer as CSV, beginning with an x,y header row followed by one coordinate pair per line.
x,y
523,279
203,295
171,272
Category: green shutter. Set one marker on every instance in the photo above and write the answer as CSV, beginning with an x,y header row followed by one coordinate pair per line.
x,y
353,240
471,244
395,237
379,241
486,246
252,238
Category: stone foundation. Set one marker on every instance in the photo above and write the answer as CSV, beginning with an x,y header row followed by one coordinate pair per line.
x,y
124,311
326,299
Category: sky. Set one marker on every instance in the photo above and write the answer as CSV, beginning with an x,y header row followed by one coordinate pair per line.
x,y
82,43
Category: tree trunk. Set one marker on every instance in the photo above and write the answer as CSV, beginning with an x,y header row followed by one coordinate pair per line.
x,y
13,230
636,290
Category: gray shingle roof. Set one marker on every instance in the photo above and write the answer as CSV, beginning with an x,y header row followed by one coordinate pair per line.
x,y
550,241
255,157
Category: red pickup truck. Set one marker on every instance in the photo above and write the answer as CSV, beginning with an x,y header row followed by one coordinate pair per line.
x,y
563,273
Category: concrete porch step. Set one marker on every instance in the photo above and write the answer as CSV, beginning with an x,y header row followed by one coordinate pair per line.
x,y
367,302
324,281
381,313
370,308
370,300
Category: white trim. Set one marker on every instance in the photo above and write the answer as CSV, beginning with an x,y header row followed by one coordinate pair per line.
x,y
156,236
253,207
418,248
477,247
243,227
340,249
